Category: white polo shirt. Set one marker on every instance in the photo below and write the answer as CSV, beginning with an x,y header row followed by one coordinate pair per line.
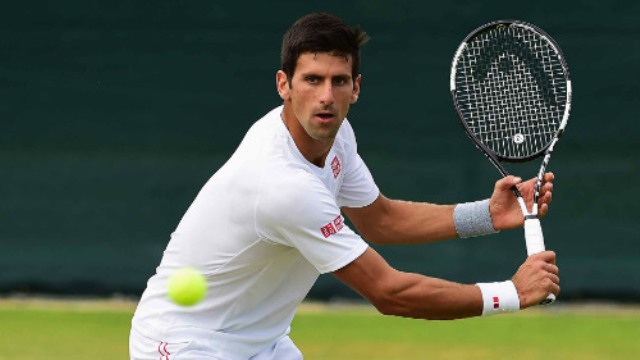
x,y
261,230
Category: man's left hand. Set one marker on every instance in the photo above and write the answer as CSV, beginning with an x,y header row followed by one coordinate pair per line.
x,y
504,208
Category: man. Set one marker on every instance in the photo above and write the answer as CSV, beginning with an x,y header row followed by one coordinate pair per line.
x,y
269,222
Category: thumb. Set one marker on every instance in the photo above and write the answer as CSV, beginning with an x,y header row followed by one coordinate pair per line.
x,y
508,182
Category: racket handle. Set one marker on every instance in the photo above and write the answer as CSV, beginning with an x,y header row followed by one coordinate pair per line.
x,y
533,236
550,299
535,244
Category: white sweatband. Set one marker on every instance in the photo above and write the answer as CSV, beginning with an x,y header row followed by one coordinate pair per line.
x,y
499,297
473,219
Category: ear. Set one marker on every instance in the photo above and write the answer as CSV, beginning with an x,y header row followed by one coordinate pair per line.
x,y
282,84
356,89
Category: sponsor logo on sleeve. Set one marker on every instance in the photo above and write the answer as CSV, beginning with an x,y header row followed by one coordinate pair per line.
x,y
333,227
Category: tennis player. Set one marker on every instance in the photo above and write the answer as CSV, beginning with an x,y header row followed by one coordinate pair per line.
x,y
270,221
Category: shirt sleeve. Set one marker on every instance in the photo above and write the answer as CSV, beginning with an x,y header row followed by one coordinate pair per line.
x,y
302,214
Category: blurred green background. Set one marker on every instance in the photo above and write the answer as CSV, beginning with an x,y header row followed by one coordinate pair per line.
x,y
115,113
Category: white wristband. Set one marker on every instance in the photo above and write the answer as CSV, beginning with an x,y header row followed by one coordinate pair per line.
x,y
499,297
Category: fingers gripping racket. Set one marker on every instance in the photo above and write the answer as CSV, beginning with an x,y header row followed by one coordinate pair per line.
x,y
511,89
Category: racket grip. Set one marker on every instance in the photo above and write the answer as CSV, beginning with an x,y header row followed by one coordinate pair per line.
x,y
533,236
535,244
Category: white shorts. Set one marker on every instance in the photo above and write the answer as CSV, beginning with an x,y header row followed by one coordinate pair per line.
x,y
144,348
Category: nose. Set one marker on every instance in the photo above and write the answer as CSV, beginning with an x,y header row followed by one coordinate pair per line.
x,y
326,94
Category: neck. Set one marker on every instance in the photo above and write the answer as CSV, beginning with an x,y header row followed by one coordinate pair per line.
x,y
315,151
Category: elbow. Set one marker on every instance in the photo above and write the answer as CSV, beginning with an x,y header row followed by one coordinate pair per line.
x,y
375,224
390,304
373,237
389,295
397,308
378,234
388,308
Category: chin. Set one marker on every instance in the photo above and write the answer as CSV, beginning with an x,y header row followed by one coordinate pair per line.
x,y
324,135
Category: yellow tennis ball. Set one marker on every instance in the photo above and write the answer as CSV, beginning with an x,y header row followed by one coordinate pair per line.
x,y
187,286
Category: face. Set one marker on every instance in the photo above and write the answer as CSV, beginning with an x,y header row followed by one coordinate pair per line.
x,y
319,94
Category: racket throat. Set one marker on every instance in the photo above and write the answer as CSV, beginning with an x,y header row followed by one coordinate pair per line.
x,y
525,211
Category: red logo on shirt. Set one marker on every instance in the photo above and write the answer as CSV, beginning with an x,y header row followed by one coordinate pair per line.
x,y
338,222
335,166
496,302
333,227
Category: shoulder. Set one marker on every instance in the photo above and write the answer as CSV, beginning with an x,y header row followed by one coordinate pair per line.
x,y
264,141
291,188
346,132
346,138
266,124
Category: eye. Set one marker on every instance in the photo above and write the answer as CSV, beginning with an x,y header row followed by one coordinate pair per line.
x,y
340,81
312,79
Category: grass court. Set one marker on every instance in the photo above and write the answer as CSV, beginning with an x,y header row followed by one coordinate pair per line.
x,y
36,329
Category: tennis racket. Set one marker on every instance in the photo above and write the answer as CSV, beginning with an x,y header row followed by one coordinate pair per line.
x,y
511,89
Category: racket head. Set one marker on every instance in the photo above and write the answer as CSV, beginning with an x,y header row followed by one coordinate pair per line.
x,y
511,89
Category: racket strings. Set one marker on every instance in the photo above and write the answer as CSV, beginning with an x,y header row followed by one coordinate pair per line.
x,y
511,88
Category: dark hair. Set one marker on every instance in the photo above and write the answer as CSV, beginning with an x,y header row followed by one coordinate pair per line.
x,y
321,32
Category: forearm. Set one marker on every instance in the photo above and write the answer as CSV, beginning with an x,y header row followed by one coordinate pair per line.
x,y
415,222
421,297
399,293
404,222
389,221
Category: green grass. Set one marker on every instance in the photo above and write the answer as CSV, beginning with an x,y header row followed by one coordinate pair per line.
x,y
566,335
64,330
99,330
